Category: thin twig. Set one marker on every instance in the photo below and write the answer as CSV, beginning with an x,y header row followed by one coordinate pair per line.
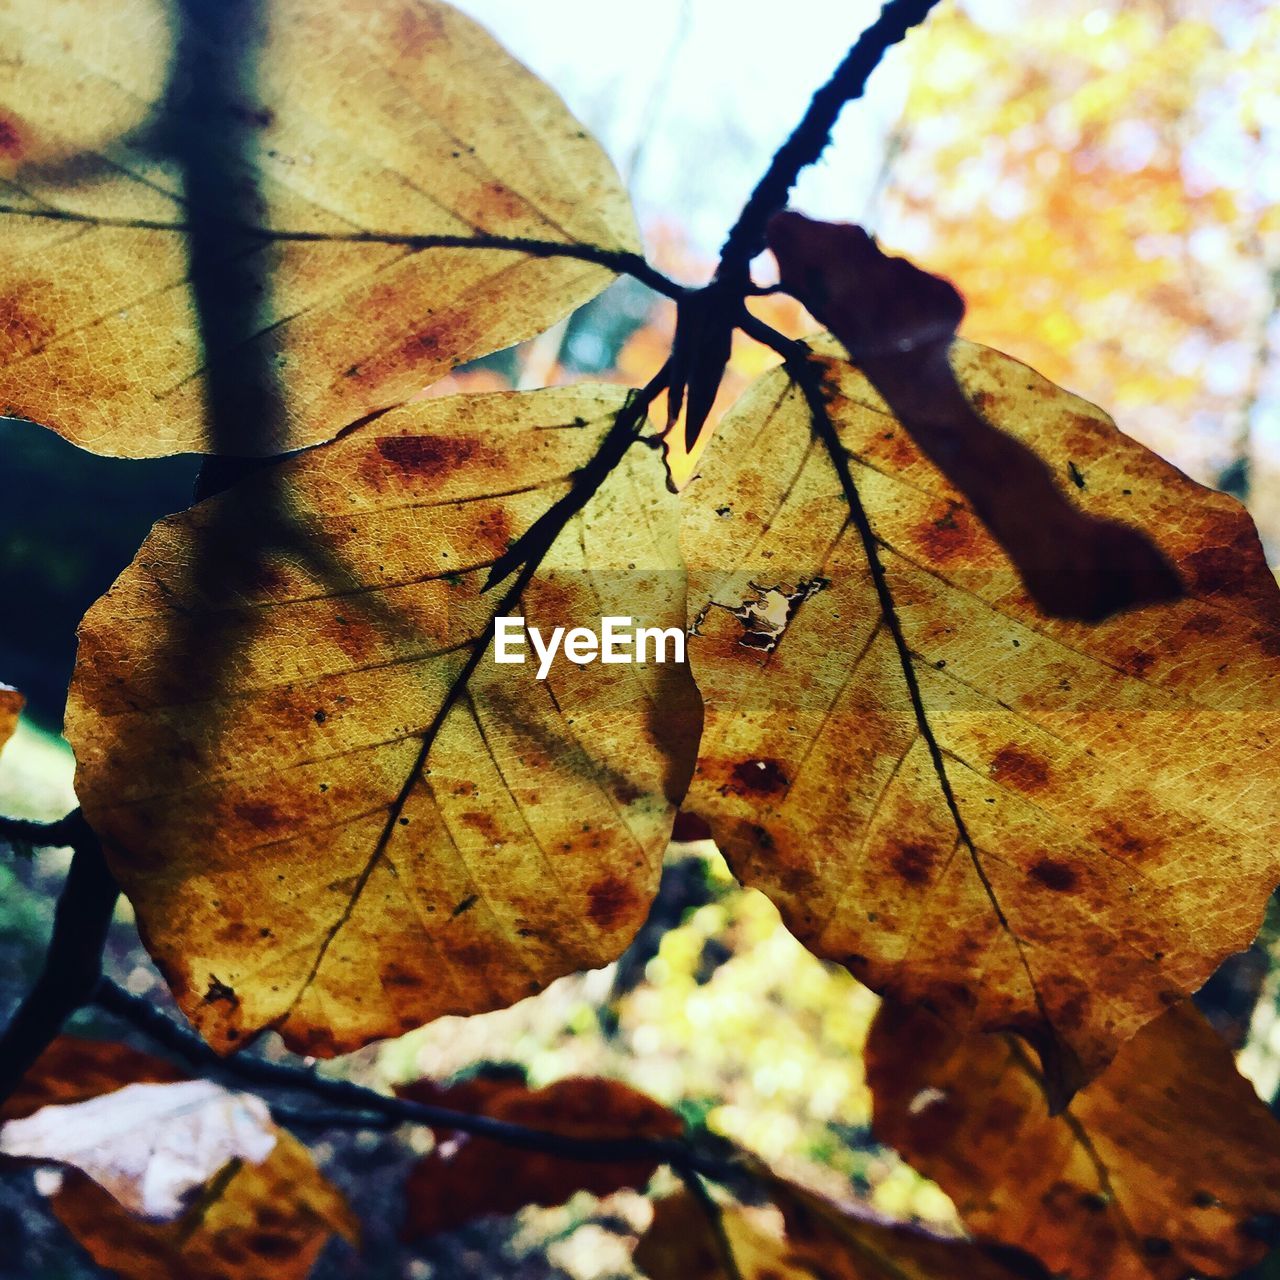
x,y
810,137
73,959
618,260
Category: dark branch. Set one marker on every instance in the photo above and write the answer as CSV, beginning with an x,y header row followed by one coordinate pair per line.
x,y
346,1098
41,835
73,960
617,260
810,137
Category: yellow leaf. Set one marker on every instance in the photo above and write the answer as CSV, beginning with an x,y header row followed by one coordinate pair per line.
x,y
1088,824
323,824
194,204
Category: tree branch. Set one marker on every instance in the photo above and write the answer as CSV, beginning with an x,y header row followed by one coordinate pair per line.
x,y
73,961
810,137
41,835
348,1099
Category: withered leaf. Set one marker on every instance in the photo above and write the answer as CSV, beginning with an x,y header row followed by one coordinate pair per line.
x,y
248,1221
467,1177
1166,1165
270,1219
149,1145
897,323
807,1237
292,151
1030,823
322,826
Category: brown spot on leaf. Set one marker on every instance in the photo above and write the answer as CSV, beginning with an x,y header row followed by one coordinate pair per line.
x,y
260,814
609,901
914,862
948,536
11,142
759,777
1026,771
1054,875
429,455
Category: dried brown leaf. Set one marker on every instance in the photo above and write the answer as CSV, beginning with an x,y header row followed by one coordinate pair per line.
x,y
149,1145
808,1238
248,1221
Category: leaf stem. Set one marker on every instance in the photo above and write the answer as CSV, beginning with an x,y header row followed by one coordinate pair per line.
x,y
619,260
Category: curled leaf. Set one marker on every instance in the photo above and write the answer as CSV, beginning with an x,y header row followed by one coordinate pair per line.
x,y
897,323
335,813
270,1219
1030,823
236,231
1166,1165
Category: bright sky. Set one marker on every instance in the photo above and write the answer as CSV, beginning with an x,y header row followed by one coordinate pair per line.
x,y
690,97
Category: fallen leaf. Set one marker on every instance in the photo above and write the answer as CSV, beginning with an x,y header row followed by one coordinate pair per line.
x,y
248,1221
314,836
1030,823
205,212
466,1177
1167,1165
808,1238
149,1145
897,323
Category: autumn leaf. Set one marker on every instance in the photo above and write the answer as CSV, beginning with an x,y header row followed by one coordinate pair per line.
x,y
149,1145
805,1237
897,323
271,1219
1030,823
333,811
10,706
467,1177
1166,1165
248,1221
206,216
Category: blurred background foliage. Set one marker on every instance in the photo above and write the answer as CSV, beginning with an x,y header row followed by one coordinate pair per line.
x,y
1103,182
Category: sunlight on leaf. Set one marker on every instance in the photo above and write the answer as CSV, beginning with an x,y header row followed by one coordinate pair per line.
x,y
1115,783
328,120
326,820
